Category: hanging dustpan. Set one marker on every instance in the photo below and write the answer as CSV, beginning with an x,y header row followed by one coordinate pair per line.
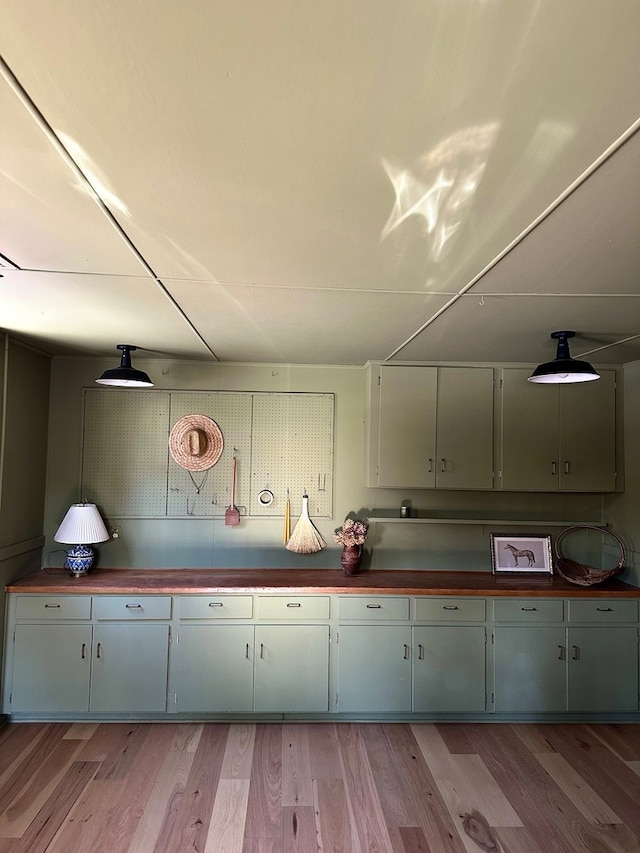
x,y
305,538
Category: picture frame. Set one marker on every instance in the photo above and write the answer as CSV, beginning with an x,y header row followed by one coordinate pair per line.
x,y
521,553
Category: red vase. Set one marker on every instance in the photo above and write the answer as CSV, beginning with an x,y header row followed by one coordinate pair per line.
x,y
350,559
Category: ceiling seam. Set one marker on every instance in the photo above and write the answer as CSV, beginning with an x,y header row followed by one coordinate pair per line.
x,y
51,135
573,186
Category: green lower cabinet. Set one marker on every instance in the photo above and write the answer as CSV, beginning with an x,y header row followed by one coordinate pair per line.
x,y
374,669
212,668
530,669
449,670
603,668
291,672
51,669
129,668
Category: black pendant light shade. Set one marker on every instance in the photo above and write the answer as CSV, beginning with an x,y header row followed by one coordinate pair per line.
x,y
125,375
564,369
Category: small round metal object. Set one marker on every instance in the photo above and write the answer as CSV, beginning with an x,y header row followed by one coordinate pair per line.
x,y
265,497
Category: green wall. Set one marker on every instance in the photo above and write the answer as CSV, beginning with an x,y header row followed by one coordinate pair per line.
x,y
258,542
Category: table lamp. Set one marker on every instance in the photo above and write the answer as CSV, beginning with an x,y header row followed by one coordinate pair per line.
x,y
82,526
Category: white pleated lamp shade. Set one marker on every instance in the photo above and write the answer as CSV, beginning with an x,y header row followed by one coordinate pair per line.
x,y
82,525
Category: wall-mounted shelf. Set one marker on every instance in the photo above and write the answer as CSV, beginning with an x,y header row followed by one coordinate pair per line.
x,y
502,519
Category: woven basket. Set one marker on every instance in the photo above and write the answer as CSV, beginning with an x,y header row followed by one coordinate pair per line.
x,y
580,573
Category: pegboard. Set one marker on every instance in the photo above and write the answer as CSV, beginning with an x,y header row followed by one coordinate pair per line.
x,y
124,452
282,441
205,493
292,449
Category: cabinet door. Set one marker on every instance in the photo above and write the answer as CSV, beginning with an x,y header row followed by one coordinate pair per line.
x,y
449,669
587,460
464,431
129,671
530,669
407,428
529,434
51,668
291,672
603,668
212,668
374,668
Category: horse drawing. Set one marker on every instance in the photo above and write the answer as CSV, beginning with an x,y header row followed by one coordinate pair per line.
x,y
526,555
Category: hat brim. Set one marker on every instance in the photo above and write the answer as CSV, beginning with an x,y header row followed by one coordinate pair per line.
x,y
209,446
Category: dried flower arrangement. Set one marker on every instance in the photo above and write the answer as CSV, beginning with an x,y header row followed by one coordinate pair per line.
x,y
352,532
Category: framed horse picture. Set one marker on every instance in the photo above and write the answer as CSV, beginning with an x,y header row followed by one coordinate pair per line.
x,y
521,553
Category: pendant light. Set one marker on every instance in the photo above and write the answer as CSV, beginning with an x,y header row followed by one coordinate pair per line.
x,y
125,375
564,369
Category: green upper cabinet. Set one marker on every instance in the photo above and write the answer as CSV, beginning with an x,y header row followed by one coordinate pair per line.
x,y
558,437
430,427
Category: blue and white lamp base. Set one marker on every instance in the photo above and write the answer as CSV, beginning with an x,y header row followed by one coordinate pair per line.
x,y
79,560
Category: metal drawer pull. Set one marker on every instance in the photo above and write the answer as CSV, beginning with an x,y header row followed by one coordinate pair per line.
x,y
407,652
576,653
246,654
420,651
134,606
53,605
604,609
84,649
566,466
449,606
553,468
293,604
430,468
562,655
98,650
215,604
529,609
374,607
261,651
443,464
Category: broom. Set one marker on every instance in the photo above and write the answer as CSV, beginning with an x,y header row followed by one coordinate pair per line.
x,y
305,538
287,520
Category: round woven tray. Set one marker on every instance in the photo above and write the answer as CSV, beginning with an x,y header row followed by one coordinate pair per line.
x,y
580,573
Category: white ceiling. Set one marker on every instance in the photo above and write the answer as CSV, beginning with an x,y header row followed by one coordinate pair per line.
x,y
321,182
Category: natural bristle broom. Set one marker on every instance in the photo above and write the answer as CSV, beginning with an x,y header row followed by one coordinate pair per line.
x,y
305,538
232,515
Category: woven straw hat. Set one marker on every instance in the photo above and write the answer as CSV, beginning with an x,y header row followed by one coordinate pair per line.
x,y
196,442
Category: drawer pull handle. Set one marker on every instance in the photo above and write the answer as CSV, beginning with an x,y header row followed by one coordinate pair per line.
x,y
133,606
261,651
420,651
449,606
55,606
246,654
430,467
553,468
374,607
293,604
407,652
604,609
529,609
83,653
99,651
443,464
562,654
576,653
215,604
566,466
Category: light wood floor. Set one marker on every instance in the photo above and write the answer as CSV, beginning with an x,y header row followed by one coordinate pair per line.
x,y
355,788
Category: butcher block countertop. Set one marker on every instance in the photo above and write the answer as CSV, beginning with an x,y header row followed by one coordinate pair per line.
x,y
301,581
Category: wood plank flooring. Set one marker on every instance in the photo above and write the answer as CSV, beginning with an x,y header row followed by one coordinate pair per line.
x,y
330,787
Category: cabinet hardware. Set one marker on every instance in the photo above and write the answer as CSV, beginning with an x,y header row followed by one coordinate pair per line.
x,y
55,606
554,468
374,607
133,606
293,604
246,653
99,651
449,606
604,609
407,652
83,653
261,651
443,465
430,466
562,653
566,466
528,609
420,651
215,604
576,653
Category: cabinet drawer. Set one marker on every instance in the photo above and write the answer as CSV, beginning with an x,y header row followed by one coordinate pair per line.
x,y
373,607
216,607
293,606
451,609
53,607
132,607
529,610
602,610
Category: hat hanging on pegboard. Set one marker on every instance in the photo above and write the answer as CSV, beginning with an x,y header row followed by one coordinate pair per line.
x,y
581,573
196,442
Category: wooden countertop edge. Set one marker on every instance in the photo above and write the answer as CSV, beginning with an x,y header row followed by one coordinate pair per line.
x,y
309,582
